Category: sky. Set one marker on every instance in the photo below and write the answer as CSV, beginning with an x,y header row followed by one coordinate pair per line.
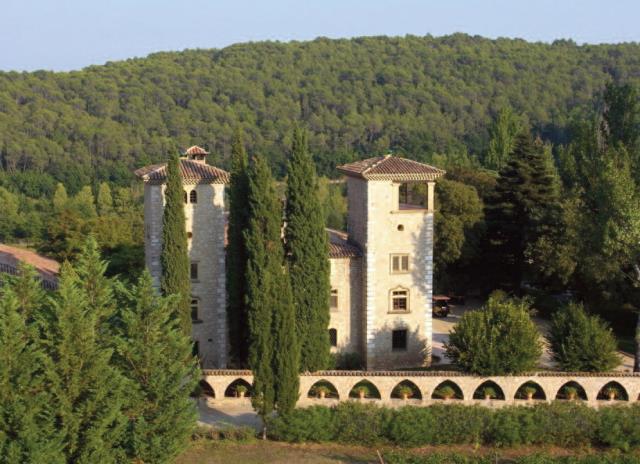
x,y
65,35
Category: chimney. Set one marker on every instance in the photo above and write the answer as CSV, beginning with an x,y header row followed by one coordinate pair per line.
x,y
196,153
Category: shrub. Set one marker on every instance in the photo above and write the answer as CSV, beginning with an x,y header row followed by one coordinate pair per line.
x,y
315,423
489,392
404,390
619,427
499,339
458,424
225,432
413,426
582,342
445,392
362,390
361,423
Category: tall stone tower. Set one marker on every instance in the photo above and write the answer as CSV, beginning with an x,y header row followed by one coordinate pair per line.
x,y
390,218
205,224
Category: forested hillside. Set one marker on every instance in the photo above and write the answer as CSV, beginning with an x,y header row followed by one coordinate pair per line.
x,y
414,95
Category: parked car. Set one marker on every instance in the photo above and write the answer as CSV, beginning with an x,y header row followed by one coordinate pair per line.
x,y
440,305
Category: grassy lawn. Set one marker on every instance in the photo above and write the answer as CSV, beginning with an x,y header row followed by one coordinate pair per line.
x,y
269,452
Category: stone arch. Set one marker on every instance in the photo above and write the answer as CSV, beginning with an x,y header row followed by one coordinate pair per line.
x,y
235,389
322,385
522,393
569,388
206,389
488,388
615,389
408,387
438,393
371,390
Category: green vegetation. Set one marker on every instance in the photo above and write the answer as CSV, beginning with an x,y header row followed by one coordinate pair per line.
x,y
91,372
581,342
541,424
541,458
273,348
176,279
306,250
498,339
236,254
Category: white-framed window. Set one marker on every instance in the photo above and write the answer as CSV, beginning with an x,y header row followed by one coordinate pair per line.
x,y
399,300
399,263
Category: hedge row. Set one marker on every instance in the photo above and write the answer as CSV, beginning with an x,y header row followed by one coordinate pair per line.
x,y
565,424
400,458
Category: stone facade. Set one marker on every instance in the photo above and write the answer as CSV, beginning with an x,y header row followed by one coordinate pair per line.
x,y
365,317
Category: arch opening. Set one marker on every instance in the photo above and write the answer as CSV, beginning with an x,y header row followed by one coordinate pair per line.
x,y
193,196
239,388
571,391
405,390
613,391
488,390
205,389
323,389
364,389
447,390
530,391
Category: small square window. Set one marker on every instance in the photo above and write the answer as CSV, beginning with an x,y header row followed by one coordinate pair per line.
x,y
399,263
194,271
399,340
400,300
333,337
333,302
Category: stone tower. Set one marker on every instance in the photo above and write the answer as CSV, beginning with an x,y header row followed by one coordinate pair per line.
x,y
390,218
205,224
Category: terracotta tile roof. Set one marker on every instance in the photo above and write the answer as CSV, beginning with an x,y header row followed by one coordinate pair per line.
x,y
340,247
11,257
196,150
391,168
192,172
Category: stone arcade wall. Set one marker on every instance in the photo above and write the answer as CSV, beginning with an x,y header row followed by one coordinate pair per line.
x,y
427,381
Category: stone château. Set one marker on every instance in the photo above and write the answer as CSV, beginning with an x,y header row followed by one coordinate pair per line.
x,y
381,269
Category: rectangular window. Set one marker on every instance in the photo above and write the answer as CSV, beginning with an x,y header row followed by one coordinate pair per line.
x,y
333,302
399,340
194,310
399,263
333,337
194,271
400,300
196,349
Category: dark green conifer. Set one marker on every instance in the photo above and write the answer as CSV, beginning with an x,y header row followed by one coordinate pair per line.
x,y
88,391
308,257
27,427
155,355
236,258
175,257
268,297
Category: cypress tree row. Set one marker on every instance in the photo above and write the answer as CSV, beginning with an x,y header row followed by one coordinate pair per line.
x,y
89,392
236,258
155,355
307,254
27,427
269,308
175,258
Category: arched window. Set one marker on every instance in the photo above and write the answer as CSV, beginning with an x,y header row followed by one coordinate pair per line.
x,y
193,196
195,310
399,300
333,337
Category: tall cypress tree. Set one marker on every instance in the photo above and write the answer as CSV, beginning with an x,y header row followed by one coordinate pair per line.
x,y
155,355
27,428
88,391
307,254
522,209
236,258
269,307
175,257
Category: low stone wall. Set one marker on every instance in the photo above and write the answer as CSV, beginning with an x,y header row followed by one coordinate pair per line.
x,y
424,383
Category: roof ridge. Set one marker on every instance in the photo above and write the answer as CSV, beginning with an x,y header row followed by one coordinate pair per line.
x,y
377,163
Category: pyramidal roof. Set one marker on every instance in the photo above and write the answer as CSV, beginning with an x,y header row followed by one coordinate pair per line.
x,y
391,167
191,171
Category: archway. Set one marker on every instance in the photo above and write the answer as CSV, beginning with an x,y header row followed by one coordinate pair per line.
x,y
206,389
239,388
613,391
447,390
364,389
488,390
530,391
405,390
571,391
323,389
